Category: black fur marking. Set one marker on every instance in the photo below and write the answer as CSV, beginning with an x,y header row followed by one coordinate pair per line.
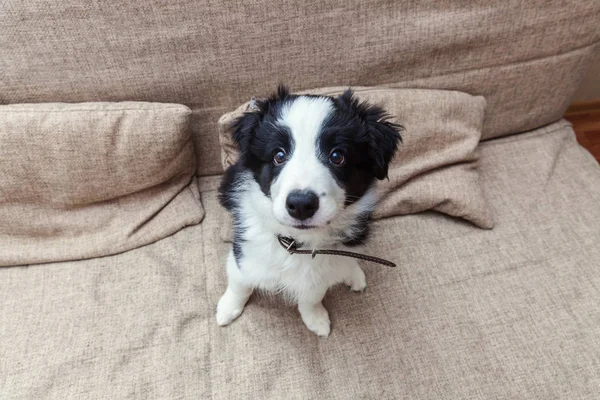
x,y
368,139
227,188
228,199
360,231
237,248
259,136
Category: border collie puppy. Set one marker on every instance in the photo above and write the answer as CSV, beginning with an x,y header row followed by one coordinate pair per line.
x,y
306,171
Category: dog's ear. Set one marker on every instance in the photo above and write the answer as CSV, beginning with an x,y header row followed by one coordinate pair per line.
x,y
282,92
383,136
243,129
244,126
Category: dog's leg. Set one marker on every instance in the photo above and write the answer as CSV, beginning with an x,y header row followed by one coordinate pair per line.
x,y
234,299
314,315
355,277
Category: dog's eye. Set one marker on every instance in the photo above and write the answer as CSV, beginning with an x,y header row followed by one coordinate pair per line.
x,y
279,156
337,157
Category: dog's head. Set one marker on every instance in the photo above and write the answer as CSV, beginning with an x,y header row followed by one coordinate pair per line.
x,y
313,156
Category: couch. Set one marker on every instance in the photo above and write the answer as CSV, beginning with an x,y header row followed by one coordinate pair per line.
x,y
512,312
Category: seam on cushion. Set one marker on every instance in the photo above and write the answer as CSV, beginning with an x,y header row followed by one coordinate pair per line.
x,y
563,123
208,356
197,199
211,190
103,202
143,223
167,203
464,71
196,108
219,174
123,246
366,89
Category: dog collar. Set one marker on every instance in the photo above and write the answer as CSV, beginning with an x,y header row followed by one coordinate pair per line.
x,y
292,247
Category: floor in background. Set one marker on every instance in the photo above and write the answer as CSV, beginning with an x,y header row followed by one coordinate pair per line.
x,y
585,118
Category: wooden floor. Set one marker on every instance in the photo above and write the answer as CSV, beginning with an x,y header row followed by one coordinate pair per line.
x,y
585,118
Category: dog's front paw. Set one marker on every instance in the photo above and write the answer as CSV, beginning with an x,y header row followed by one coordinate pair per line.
x,y
229,308
316,318
357,281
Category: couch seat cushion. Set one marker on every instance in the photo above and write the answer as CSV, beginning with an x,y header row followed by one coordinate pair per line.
x,y
511,312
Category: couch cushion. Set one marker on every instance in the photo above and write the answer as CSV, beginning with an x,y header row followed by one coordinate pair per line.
x,y
511,312
436,165
91,179
526,57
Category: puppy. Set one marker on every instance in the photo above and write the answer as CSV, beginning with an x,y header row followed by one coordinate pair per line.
x,y
306,171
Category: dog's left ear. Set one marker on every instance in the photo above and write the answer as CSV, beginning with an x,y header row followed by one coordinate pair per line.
x,y
383,134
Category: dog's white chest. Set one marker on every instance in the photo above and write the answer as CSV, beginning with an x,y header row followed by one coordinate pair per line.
x,y
266,265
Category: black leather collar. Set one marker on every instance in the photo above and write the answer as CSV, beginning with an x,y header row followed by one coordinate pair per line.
x,y
293,247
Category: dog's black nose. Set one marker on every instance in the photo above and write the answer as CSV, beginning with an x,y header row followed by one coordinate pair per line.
x,y
302,205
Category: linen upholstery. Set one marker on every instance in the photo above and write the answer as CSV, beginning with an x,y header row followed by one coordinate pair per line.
x,y
525,57
435,166
506,313
511,312
92,179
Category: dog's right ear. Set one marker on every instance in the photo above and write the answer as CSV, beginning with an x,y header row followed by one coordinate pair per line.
x,y
244,126
243,129
383,135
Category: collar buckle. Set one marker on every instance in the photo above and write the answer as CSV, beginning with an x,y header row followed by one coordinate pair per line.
x,y
288,243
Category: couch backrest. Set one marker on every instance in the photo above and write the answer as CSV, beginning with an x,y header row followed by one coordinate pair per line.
x,y
525,57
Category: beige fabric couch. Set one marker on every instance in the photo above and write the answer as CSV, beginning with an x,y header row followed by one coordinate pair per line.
x,y
513,312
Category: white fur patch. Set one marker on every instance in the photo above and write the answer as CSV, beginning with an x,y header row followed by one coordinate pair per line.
x,y
304,117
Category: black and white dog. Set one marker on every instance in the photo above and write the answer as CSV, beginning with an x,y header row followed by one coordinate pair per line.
x,y
306,171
